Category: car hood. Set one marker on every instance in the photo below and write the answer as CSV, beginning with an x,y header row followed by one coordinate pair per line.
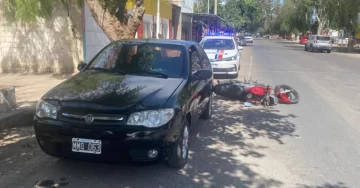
x,y
114,89
217,54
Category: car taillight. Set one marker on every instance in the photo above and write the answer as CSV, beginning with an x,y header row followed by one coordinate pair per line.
x,y
315,41
330,42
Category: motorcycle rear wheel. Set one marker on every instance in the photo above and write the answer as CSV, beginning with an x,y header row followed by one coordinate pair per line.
x,y
295,95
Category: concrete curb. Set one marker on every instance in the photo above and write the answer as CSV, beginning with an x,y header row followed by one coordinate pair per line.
x,y
17,118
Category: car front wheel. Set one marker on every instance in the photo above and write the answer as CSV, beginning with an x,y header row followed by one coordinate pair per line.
x,y
178,158
208,111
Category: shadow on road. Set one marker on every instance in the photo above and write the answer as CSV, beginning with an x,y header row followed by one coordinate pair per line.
x,y
326,185
217,146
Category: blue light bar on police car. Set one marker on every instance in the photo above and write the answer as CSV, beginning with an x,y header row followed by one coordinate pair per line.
x,y
219,34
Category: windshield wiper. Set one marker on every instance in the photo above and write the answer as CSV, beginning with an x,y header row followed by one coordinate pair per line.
x,y
153,73
107,70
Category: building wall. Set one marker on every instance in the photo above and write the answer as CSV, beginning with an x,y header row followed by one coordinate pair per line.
x,y
53,45
95,39
187,6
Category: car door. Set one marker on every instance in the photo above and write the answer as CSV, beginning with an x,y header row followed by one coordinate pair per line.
x,y
205,86
195,85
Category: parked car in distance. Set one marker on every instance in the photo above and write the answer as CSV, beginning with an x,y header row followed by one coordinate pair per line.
x,y
241,41
249,39
224,54
135,100
318,43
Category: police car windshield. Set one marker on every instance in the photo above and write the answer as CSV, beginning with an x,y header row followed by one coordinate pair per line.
x,y
225,44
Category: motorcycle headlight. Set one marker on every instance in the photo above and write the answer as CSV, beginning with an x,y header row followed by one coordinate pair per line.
x,y
151,118
46,110
229,58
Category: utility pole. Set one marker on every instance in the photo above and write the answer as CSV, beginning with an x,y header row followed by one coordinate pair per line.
x,y
215,8
208,6
158,19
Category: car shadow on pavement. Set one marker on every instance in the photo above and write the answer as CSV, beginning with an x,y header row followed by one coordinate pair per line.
x,y
217,152
326,185
217,146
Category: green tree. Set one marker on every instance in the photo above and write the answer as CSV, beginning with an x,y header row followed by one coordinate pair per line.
x,y
109,14
241,14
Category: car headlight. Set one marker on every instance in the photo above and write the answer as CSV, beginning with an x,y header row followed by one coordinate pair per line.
x,y
229,58
46,110
151,118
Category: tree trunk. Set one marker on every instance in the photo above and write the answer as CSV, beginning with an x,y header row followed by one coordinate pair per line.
x,y
115,27
7,99
321,24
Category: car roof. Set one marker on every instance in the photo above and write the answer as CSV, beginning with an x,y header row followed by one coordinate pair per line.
x,y
321,35
158,41
218,37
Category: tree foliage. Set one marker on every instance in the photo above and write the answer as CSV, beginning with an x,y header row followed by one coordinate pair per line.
x,y
242,14
27,11
302,15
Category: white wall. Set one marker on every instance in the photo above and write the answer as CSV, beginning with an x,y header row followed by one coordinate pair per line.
x,y
94,38
187,6
53,45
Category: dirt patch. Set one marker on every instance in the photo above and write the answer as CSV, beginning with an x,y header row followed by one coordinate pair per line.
x,y
17,145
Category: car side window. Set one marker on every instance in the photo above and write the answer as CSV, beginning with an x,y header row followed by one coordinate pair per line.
x,y
195,59
204,60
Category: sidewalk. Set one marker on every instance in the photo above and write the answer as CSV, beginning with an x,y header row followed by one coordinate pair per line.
x,y
28,90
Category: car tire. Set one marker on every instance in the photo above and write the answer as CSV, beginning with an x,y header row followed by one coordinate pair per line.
x,y
178,157
328,51
207,114
306,48
311,49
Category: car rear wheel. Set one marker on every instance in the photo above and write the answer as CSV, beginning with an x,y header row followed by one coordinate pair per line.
x,y
328,51
178,158
306,48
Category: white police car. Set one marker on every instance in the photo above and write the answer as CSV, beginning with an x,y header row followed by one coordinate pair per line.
x,y
223,53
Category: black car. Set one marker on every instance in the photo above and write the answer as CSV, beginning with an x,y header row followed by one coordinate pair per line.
x,y
136,100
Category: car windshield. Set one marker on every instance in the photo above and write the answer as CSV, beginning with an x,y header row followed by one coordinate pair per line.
x,y
322,38
226,44
151,59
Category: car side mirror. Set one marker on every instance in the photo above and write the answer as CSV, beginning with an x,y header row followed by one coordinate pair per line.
x,y
240,48
203,74
81,66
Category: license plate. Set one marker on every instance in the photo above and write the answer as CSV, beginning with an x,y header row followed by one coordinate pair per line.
x,y
86,145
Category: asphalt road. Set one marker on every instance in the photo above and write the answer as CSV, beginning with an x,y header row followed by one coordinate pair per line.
x,y
315,143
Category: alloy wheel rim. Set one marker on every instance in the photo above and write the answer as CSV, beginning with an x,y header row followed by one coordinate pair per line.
x,y
185,142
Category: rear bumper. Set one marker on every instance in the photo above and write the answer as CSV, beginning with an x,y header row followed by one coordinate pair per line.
x,y
317,47
118,144
228,67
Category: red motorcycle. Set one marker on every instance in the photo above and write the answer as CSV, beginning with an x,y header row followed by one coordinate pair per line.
x,y
254,92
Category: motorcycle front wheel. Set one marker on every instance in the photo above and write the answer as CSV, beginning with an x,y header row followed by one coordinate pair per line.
x,y
292,95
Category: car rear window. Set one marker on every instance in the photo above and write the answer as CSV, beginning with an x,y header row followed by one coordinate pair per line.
x,y
226,44
322,38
